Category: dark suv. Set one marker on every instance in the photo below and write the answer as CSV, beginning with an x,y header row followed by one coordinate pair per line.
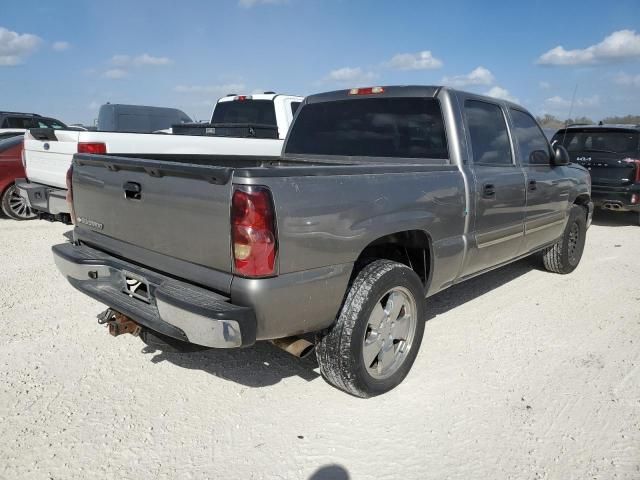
x,y
611,153
15,123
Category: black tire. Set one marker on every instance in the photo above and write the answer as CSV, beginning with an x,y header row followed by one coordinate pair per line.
x,y
564,256
8,205
340,349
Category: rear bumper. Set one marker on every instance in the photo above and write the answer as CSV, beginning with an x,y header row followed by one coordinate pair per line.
x,y
174,308
43,198
617,198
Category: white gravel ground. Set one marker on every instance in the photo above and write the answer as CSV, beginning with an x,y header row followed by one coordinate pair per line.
x,y
522,374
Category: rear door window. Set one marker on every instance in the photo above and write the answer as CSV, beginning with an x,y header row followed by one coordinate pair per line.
x,y
488,132
397,127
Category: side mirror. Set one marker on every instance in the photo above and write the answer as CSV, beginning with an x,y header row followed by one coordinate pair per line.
x,y
560,155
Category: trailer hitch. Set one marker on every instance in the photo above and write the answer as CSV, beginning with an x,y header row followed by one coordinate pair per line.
x,y
118,323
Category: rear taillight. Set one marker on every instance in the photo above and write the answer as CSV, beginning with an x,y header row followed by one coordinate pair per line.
x,y
253,232
97,148
69,196
242,98
637,179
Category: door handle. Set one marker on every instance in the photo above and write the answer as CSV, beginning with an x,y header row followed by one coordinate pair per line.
x,y
533,185
132,190
488,190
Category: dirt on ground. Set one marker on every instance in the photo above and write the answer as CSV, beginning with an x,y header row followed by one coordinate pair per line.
x,y
522,374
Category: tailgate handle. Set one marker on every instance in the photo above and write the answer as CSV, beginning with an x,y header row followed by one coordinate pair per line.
x,y
132,190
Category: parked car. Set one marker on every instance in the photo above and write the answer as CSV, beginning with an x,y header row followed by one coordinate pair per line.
x,y
117,117
611,153
48,152
15,123
383,196
12,204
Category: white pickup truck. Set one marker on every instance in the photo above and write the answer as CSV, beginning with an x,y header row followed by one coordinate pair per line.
x,y
48,153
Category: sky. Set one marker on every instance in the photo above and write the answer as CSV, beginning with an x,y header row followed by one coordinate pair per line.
x,y
66,58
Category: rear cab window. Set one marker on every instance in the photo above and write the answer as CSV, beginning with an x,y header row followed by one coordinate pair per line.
x,y
398,127
603,140
254,112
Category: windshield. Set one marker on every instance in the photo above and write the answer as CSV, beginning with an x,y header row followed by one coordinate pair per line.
x,y
255,112
601,140
50,123
373,127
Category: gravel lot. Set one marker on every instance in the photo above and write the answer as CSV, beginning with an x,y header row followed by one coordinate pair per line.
x,y
522,374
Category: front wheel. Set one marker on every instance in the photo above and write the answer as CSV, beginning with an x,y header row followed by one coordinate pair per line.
x,y
565,255
373,344
14,206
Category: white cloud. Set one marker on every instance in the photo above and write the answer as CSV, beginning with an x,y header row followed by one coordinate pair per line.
x,y
478,76
350,75
544,85
60,46
253,3
15,46
503,93
218,90
627,80
115,73
620,45
146,59
124,63
415,61
140,60
559,103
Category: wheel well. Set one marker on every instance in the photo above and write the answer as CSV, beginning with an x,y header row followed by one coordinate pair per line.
x,y
583,200
411,247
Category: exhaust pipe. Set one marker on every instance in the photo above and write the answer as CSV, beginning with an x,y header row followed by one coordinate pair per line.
x,y
612,206
296,346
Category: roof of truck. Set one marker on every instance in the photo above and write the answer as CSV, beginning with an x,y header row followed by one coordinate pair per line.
x,y
256,96
401,91
607,126
19,114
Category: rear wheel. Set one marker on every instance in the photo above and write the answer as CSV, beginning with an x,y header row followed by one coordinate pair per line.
x,y
14,206
374,342
564,256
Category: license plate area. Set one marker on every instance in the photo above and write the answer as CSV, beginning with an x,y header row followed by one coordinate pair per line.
x,y
136,286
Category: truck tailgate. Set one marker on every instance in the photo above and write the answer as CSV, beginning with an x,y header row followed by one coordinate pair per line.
x,y
178,210
46,159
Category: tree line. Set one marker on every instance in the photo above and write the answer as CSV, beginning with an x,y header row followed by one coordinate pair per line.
x,y
550,121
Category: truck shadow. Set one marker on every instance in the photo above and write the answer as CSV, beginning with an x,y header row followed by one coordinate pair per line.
x,y
614,219
469,290
263,364
260,365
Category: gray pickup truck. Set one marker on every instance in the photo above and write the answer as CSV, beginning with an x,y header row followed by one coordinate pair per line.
x,y
381,198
